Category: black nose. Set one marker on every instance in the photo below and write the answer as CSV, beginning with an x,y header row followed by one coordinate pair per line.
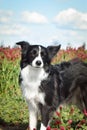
x,y
38,62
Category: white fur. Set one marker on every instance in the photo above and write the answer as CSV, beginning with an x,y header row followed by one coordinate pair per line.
x,y
32,78
42,127
38,58
32,117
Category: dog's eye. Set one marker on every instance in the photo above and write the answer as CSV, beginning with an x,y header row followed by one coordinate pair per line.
x,y
42,53
34,52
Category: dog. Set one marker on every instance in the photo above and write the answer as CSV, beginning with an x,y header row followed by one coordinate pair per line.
x,y
46,86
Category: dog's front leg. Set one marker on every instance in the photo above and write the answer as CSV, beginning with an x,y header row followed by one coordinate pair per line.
x,y
32,117
45,117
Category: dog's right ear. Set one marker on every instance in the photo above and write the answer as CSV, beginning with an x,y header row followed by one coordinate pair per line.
x,y
24,45
24,49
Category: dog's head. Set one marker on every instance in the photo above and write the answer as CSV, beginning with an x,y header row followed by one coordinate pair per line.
x,y
36,55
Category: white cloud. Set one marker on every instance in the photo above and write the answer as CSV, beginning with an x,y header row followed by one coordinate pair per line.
x,y
64,36
5,16
10,26
14,29
72,18
34,17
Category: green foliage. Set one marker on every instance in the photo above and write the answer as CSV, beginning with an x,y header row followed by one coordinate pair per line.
x,y
70,118
13,108
71,53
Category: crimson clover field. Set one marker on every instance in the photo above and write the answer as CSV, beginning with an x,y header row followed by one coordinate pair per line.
x,y
13,108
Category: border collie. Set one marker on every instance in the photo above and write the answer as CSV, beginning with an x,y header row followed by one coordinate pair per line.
x,y
46,86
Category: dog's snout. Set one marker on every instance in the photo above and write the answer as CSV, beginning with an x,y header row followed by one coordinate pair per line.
x,y
38,62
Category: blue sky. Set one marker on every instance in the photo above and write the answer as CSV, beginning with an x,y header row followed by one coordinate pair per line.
x,y
43,22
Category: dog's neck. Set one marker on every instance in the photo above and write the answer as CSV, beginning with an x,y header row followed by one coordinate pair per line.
x,y
34,74
37,73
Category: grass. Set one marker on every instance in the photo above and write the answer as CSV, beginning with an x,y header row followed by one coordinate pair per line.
x,y
69,118
13,108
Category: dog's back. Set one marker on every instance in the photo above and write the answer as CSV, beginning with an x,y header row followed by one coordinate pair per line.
x,y
74,83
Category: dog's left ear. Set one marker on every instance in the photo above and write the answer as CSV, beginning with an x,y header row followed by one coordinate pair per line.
x,y
52,51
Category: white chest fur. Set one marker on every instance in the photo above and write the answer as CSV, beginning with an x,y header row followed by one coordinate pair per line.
x,y
32,78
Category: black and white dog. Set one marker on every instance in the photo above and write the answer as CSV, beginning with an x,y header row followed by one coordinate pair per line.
x,y
46,86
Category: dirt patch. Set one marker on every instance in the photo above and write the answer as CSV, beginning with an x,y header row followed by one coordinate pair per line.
x,y
19,126
13,127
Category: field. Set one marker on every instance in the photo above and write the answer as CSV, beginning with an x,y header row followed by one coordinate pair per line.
x,y
13,108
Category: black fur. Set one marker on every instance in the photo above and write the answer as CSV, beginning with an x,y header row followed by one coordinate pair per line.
x,y
66,82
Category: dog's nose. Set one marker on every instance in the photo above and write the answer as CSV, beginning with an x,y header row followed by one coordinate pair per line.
x,y
38,62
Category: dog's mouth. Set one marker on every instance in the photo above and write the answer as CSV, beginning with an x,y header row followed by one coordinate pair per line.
x,y
36,66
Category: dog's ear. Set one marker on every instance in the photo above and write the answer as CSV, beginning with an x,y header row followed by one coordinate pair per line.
x,y
52,51
24,45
